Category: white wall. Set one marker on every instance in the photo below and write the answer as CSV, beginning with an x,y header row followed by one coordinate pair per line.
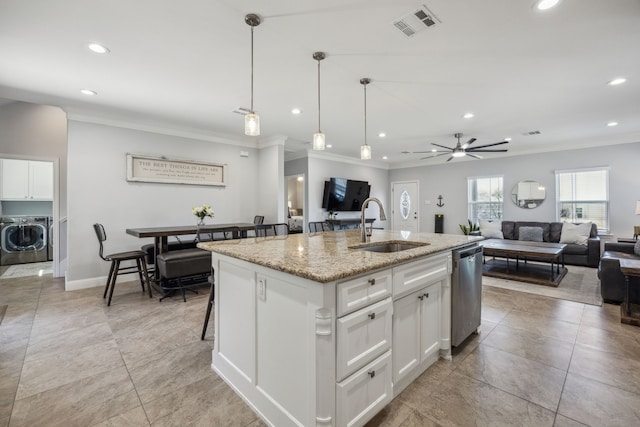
x,y
321,170
99,192
270,185
450,180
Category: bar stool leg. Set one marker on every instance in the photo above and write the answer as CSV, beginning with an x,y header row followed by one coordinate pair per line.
x,y
146,276
140,273
113,281
106,288
209,306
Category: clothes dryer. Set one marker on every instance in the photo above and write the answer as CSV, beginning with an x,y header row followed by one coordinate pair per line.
x,y
23,239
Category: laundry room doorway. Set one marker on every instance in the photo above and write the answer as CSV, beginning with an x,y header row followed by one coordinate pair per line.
x,y
29,214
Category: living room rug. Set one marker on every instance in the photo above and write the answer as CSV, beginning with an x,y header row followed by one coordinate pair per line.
x,y
31,269
581,284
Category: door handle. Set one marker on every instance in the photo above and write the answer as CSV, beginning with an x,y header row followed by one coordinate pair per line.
x,y
372,316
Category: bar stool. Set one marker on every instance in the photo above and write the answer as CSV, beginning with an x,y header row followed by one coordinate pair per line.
x,y
138,256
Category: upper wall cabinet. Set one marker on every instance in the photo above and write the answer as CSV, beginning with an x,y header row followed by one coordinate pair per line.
x,y
27,180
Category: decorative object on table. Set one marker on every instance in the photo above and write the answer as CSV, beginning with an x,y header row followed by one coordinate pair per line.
x,y
470,228
440,202
252,120
636,228
203,212
143,168
461,150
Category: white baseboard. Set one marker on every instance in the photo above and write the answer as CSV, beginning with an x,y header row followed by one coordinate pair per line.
x,y
93,282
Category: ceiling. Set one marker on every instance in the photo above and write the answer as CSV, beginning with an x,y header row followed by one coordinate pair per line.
x,y
185,66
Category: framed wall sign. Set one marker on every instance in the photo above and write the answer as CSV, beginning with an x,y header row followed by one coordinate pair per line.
x,y
162,170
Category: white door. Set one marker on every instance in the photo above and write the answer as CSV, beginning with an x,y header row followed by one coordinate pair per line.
x,y
406,206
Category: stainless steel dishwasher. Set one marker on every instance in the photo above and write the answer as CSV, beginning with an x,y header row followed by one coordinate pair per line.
x,y
466,292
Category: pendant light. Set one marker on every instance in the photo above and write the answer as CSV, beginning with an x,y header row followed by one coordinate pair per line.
x,y
252,120
318,137
365,149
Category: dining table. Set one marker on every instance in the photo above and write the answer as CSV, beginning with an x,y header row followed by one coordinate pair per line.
x,y
161,234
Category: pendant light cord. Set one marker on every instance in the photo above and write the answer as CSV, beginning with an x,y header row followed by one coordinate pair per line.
x,y
319,131
365,114
252,69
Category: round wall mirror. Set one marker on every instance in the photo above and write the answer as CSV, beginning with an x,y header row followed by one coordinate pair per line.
x,y
528,194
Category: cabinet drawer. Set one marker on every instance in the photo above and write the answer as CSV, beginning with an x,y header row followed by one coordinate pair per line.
x,y
362,336
365,393
360,292
418,274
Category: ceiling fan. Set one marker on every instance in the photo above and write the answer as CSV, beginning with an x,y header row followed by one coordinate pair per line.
x,y
461,150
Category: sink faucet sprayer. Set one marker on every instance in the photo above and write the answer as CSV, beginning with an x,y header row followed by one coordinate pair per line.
x,y
363,226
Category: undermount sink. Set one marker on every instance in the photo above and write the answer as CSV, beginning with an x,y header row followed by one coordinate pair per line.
x,y
388,247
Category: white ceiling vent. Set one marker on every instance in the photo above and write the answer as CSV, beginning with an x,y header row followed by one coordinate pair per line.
x,y
416,21
531,133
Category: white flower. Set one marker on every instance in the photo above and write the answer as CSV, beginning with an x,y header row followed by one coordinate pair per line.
x,y
203,211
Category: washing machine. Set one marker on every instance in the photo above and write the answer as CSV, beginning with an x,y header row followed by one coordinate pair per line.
x,y
50,238
23,239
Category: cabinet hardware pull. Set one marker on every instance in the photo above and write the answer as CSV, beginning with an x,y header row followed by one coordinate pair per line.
x,y
420,297
372,316
372,373
372,282
426,295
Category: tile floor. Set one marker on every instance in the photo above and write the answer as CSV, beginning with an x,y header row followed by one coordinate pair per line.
x,y
68,360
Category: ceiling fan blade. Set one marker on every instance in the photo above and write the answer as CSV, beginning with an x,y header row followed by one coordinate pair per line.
x,y
431,157
469,142
442,146
429,151
449,159
489,145
473,155
488,151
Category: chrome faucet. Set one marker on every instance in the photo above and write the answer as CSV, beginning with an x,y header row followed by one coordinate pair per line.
x,y
363,226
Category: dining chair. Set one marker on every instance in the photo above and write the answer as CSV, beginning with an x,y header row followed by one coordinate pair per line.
x,y
279,229
230,233
116,258
319,226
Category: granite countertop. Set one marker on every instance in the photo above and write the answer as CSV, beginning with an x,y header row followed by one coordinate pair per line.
x,y
326,257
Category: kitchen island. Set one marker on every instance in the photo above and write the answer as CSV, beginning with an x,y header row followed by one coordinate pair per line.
x,y
317,330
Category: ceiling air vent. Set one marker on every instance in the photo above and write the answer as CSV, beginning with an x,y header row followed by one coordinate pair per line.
x,y
533,132
241,110
416,21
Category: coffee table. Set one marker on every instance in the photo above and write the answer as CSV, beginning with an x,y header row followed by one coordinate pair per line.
x,y
527,251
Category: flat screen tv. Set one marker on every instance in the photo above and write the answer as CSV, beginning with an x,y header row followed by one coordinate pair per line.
x,y
342,194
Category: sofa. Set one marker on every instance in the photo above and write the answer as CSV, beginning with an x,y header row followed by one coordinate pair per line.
x,y
612,282
575,254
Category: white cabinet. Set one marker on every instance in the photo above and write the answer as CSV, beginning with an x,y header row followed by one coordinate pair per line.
x,y
27,180
364,393
416,333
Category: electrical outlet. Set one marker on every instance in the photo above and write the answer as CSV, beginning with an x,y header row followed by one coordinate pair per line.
x,y
262,289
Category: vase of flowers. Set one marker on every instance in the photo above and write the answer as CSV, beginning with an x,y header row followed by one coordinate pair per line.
x,y
202,212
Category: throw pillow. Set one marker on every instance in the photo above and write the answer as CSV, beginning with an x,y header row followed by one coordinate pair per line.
x,y
491,229
531,234
575,233
636,248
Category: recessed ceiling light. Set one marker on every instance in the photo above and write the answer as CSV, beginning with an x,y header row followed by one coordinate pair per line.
x,y
88,92
546,4
433,150
507,139
617,81
612,124
328,145
384,157
382,135
468,115
296,111
98,48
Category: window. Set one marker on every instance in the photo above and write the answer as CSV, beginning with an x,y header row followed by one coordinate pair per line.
x,y
485,198
583,195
